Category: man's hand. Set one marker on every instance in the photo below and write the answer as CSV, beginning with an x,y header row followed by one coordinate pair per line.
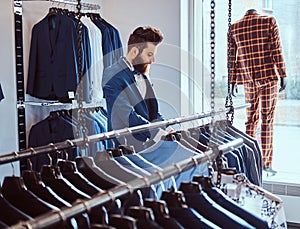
x,y
234,89
282,84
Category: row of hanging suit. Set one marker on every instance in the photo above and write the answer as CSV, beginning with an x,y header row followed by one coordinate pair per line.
x,y
55,52
188,199
65,124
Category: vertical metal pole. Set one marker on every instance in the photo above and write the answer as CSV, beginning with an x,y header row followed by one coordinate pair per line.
x,y
20,79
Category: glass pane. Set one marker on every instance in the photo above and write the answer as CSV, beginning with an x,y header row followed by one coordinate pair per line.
x,y
287,118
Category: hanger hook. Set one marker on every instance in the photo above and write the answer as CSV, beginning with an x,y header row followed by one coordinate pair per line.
x,y
50,159
13,169
12,164
67,155
30,164
125,140
113,143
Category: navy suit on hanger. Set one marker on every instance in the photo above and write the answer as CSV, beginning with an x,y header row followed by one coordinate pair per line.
x,y
50,130
53,61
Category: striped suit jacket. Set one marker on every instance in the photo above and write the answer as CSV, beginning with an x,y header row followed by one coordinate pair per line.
x,y
255,51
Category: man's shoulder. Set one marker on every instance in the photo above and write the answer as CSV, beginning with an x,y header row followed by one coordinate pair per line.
x,y
114,68
113,72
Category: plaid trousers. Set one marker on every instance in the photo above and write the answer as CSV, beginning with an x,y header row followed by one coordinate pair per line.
x,y
262,95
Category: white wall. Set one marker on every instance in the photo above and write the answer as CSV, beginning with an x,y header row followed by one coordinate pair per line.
x,y
8,111
165,15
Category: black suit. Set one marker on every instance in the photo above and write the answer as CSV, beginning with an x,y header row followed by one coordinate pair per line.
x,y
50,130
53,70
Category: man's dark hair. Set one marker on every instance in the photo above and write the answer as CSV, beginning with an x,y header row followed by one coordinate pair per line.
x,y
141,35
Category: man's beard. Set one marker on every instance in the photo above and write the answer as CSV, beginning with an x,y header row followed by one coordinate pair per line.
x,y
139,65
142,68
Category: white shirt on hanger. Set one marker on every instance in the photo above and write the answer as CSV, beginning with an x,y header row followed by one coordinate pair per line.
x,y
96,69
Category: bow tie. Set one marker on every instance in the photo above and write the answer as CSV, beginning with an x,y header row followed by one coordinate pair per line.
x,y
136,72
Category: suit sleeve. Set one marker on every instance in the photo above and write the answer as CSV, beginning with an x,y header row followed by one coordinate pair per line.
x,y
276,48
32,62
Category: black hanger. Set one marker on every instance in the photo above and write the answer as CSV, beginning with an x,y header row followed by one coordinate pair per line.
x,y
86,168
225,201
94,16
101,226
161,214
158,207
3,225
205,182
69,171
122,222
173,199
54,115
185,215
9,214
115,152
144,217
200,129
190,187
127,149
141,213
53,178
204,205
15,191
186,135
174,136
35,184
229,171
53,11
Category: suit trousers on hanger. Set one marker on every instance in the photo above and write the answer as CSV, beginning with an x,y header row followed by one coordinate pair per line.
x,y
262,95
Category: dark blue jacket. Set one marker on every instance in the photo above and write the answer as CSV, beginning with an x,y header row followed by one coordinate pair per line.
x,y
125,105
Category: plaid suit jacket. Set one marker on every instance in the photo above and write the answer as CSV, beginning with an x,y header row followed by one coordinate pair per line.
x,y
255,51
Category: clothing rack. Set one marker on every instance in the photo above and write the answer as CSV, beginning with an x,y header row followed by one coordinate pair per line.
x,y
32,152
88,6
19,65
82,206
74,104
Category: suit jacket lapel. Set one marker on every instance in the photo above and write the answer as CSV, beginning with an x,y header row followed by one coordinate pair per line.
x,y
151,100
131,79
139,102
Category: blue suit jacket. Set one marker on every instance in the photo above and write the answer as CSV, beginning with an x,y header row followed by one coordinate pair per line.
x,y
125,105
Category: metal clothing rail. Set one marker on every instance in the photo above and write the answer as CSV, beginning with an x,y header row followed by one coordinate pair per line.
x,y
88,6
32,152
82,206
74,104
19,64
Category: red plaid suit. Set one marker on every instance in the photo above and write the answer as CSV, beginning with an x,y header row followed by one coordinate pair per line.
x,y
256,60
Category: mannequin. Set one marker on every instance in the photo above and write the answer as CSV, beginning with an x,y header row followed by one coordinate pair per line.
x,y
256,61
